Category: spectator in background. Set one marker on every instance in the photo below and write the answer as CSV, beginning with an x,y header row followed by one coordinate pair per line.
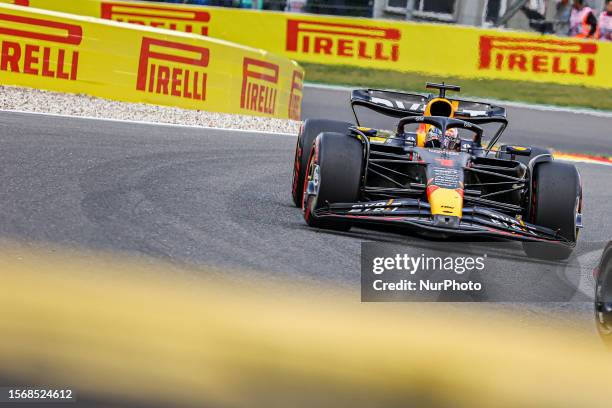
x,y
562,16
583,23
296,6
604,28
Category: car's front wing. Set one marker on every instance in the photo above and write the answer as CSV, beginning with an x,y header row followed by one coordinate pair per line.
x,y
415,214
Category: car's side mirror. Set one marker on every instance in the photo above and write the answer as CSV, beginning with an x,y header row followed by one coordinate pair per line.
x,y
518,151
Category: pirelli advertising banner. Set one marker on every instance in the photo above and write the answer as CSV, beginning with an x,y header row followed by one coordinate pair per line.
x,y
427,48
56,51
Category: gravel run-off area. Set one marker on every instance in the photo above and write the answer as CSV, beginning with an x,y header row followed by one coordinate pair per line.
x,y
33,100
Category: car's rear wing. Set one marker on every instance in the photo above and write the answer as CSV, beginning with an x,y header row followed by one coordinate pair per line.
x,y
402,104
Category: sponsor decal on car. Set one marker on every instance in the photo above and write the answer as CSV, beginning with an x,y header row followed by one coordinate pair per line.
x,y
190,20
295,97
356,41
375,207
259,86
172,68
39,47
539,56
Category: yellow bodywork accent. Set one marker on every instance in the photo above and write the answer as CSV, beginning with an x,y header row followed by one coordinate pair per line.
x,y
423,129
446,201
378,139
421,133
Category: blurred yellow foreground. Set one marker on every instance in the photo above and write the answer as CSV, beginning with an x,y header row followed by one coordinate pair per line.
x,y
126,331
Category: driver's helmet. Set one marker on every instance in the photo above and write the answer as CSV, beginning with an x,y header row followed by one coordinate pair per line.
x,y
435,138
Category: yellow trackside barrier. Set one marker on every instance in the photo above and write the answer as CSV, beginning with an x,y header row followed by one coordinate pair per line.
x,y
156,335
70,53
409,47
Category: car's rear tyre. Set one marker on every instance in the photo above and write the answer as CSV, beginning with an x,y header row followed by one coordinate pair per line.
x,y
309,131
333,175
556,198
535,151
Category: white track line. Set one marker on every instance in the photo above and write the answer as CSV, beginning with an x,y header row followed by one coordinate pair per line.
x,y
521,105
144,122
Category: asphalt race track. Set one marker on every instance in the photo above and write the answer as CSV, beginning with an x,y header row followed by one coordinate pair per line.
x,y
222,198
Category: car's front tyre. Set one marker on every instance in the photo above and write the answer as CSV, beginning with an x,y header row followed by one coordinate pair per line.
x,y
556,201
333,175
308,132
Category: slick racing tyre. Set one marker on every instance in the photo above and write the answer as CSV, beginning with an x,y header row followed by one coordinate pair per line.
x,y
333,175
556,199
535,151
309,131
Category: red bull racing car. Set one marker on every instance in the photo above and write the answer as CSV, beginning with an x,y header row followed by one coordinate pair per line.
x,y
434,174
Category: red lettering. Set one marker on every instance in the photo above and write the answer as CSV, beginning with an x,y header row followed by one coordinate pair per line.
x,y
345,48
254,96
258,96
75,66
34,58
46,68
152,78
163,78
295,98
323,44
11,54
176,81
60,65
590,67
539,63
31,62
272,108
306,44
517,60
30,59
574,67
395,52
72,34
379,55
363,50
557,66
196,95
348,40
204,77
563,57
159,16
186,93
499,61
262,97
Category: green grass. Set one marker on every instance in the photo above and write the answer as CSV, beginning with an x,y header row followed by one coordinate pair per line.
x,y
532,92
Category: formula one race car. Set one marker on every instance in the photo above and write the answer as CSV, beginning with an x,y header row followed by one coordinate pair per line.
x,y
433,179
